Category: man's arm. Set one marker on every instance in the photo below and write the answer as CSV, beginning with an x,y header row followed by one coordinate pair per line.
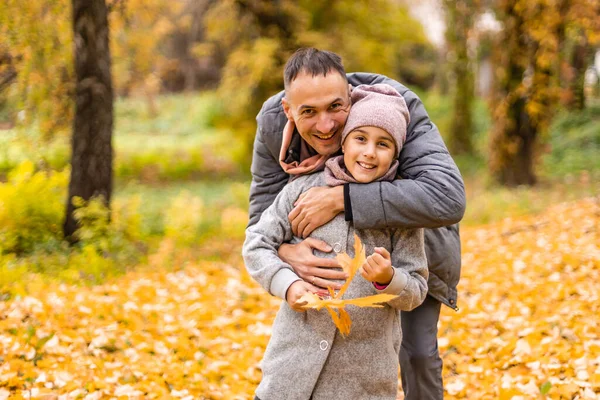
x,y
260,248
320,203
268,179
431,193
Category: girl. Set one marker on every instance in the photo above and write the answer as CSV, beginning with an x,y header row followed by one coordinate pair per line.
x,y
306,357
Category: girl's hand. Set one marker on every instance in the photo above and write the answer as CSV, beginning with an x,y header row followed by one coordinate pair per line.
x,y
378,267
297,290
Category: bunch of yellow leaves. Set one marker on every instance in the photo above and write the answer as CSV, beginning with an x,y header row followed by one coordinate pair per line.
x,y
351,266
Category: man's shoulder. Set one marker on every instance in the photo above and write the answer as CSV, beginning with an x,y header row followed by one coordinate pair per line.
x,y
271,117
367,78
419,119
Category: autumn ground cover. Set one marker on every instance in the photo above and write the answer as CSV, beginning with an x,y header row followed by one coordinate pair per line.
x,y
528,322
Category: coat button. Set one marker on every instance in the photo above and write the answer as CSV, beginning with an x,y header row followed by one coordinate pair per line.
x,y
323,345
337,247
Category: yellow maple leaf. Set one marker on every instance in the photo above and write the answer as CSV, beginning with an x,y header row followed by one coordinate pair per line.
x,y
314,301
344,328
370,301
351,265
345,322
335,302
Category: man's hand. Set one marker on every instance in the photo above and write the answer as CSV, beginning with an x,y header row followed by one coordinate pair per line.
x,y
311,268
297,290
378,267
316,207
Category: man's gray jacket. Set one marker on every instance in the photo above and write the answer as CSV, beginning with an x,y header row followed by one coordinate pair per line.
x,y
430,194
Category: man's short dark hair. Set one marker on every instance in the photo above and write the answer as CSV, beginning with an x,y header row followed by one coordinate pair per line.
x,y
311,61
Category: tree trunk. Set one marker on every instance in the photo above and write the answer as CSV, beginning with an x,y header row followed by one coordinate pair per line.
x,y
578,67
91,162
516,147
513,135
8,73
459,15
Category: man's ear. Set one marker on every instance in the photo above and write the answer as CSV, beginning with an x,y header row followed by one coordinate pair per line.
x,y
286,109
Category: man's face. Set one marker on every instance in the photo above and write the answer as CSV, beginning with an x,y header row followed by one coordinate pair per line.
x,y
319,107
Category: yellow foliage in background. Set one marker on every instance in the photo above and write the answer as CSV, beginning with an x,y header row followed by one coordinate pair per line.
x,y
183,218
233,222
527,323
138,30
39,38
258,38
25,220
31,237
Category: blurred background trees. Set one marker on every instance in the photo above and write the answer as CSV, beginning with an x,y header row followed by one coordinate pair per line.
x,y
524,97
536,59
37,63
156,135
539,59
494,82
459,43
259,36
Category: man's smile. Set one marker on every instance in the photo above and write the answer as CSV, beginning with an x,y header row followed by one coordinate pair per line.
x,y
325,136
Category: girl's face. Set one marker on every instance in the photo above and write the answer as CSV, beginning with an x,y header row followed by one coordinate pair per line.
x,y
368,153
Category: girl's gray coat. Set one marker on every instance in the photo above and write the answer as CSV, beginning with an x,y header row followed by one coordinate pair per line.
x,y
306,357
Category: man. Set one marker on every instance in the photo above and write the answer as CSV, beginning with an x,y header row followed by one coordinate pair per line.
x,y
430,194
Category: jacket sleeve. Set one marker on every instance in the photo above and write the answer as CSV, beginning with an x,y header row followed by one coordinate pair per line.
x,y
431,193
409,282
263,238
268,178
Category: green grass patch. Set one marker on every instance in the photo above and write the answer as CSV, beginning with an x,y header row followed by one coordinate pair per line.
x,y
574,141
570,148
178,115
439,108
216,196
179,143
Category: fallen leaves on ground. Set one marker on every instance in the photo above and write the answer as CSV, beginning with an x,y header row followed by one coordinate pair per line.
x,y
529,309
528,321
196,333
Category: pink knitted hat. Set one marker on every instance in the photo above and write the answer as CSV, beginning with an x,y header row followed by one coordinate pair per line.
x,y
378,105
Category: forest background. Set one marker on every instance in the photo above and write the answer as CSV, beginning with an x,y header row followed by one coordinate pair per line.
x,y
513,85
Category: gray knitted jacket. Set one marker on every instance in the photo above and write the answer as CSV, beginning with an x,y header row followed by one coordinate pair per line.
x,y
306,356
430,195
